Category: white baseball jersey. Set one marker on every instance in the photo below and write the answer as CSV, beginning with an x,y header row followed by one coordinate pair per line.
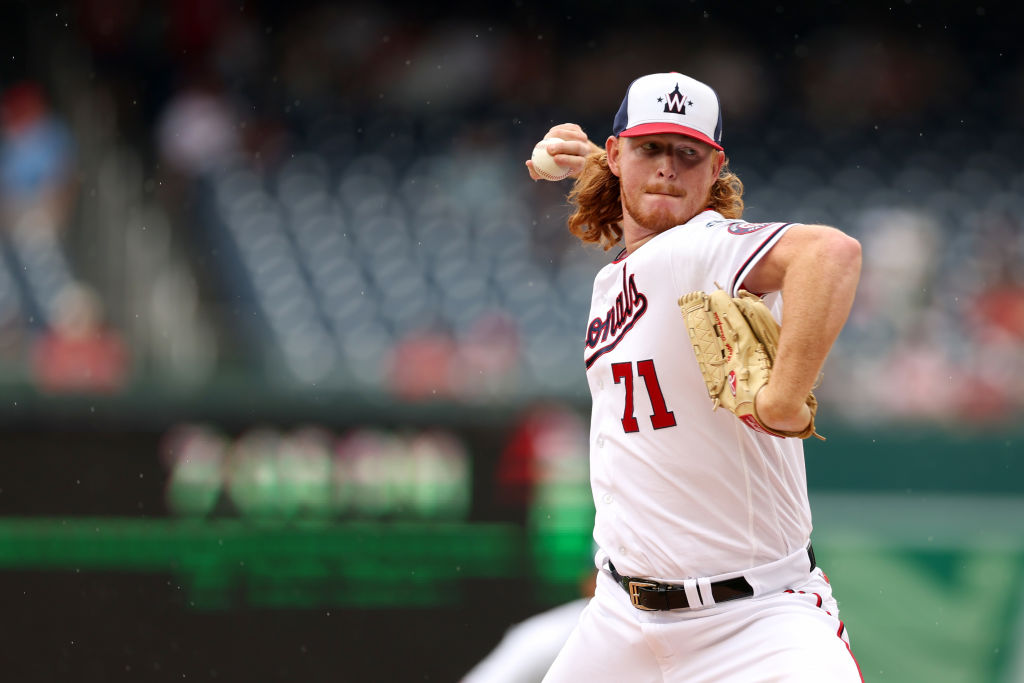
x,y
682,491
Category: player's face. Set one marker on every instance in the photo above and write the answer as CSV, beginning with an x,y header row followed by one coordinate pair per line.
x,y
665,180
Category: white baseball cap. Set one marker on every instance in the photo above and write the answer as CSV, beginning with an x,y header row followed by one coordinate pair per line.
x,y
670,103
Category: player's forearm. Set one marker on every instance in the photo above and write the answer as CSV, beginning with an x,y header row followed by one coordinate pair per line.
x,y
818,289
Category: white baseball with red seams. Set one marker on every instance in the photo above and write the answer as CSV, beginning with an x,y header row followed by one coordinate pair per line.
x,y
544,164
688,496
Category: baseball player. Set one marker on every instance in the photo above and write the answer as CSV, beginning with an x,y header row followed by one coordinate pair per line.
x,y
527,649
703,523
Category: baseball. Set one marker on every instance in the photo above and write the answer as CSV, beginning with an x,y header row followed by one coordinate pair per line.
x,y
544,164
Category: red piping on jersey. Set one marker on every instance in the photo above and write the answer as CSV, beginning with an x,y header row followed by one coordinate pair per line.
x,y
817,595
839,631
734,283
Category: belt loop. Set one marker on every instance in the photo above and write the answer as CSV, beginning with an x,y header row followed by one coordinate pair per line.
x,y
692,594
707,598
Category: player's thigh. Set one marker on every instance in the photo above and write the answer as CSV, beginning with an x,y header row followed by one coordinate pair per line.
x,y
810,644
607,645
797,637
782,638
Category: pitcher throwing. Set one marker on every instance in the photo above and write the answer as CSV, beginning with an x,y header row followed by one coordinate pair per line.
x,y
703,523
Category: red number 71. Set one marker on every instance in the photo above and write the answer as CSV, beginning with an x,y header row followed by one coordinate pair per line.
x,y
662,417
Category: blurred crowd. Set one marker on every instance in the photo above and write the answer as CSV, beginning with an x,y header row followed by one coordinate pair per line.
x,y
345,188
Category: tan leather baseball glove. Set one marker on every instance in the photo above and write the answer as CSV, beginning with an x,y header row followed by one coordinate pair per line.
x,y
735,340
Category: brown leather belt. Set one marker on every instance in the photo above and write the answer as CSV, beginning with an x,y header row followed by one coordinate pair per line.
x,y
653,596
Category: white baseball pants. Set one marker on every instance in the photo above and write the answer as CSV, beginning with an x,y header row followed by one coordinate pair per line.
x,y
789,635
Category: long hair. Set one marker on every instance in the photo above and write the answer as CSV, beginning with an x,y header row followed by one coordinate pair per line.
x,y
597,217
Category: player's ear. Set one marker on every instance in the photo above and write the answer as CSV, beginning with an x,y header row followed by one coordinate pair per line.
x,y
718,162
611,147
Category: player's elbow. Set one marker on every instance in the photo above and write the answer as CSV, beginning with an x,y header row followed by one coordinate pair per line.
x,y
846,251
838,250
849,252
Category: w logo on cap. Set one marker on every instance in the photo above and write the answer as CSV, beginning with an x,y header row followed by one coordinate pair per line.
x,y
670,103
675,102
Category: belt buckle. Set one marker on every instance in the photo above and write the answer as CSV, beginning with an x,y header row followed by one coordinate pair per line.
x,y
634,594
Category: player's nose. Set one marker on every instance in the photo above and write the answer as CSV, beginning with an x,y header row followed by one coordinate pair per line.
x,y
666,166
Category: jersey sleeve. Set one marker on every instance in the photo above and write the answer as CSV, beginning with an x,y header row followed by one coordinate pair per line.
x,y
727,250
759,241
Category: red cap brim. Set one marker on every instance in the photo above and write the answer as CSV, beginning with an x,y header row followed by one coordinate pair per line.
x,y
662,127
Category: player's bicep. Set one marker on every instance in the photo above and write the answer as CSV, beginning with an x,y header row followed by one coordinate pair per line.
x,y
767,275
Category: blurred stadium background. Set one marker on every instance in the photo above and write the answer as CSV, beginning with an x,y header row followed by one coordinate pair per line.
x,y
288,339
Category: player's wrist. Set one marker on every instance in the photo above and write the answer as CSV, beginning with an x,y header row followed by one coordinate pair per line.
x,y
778,410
